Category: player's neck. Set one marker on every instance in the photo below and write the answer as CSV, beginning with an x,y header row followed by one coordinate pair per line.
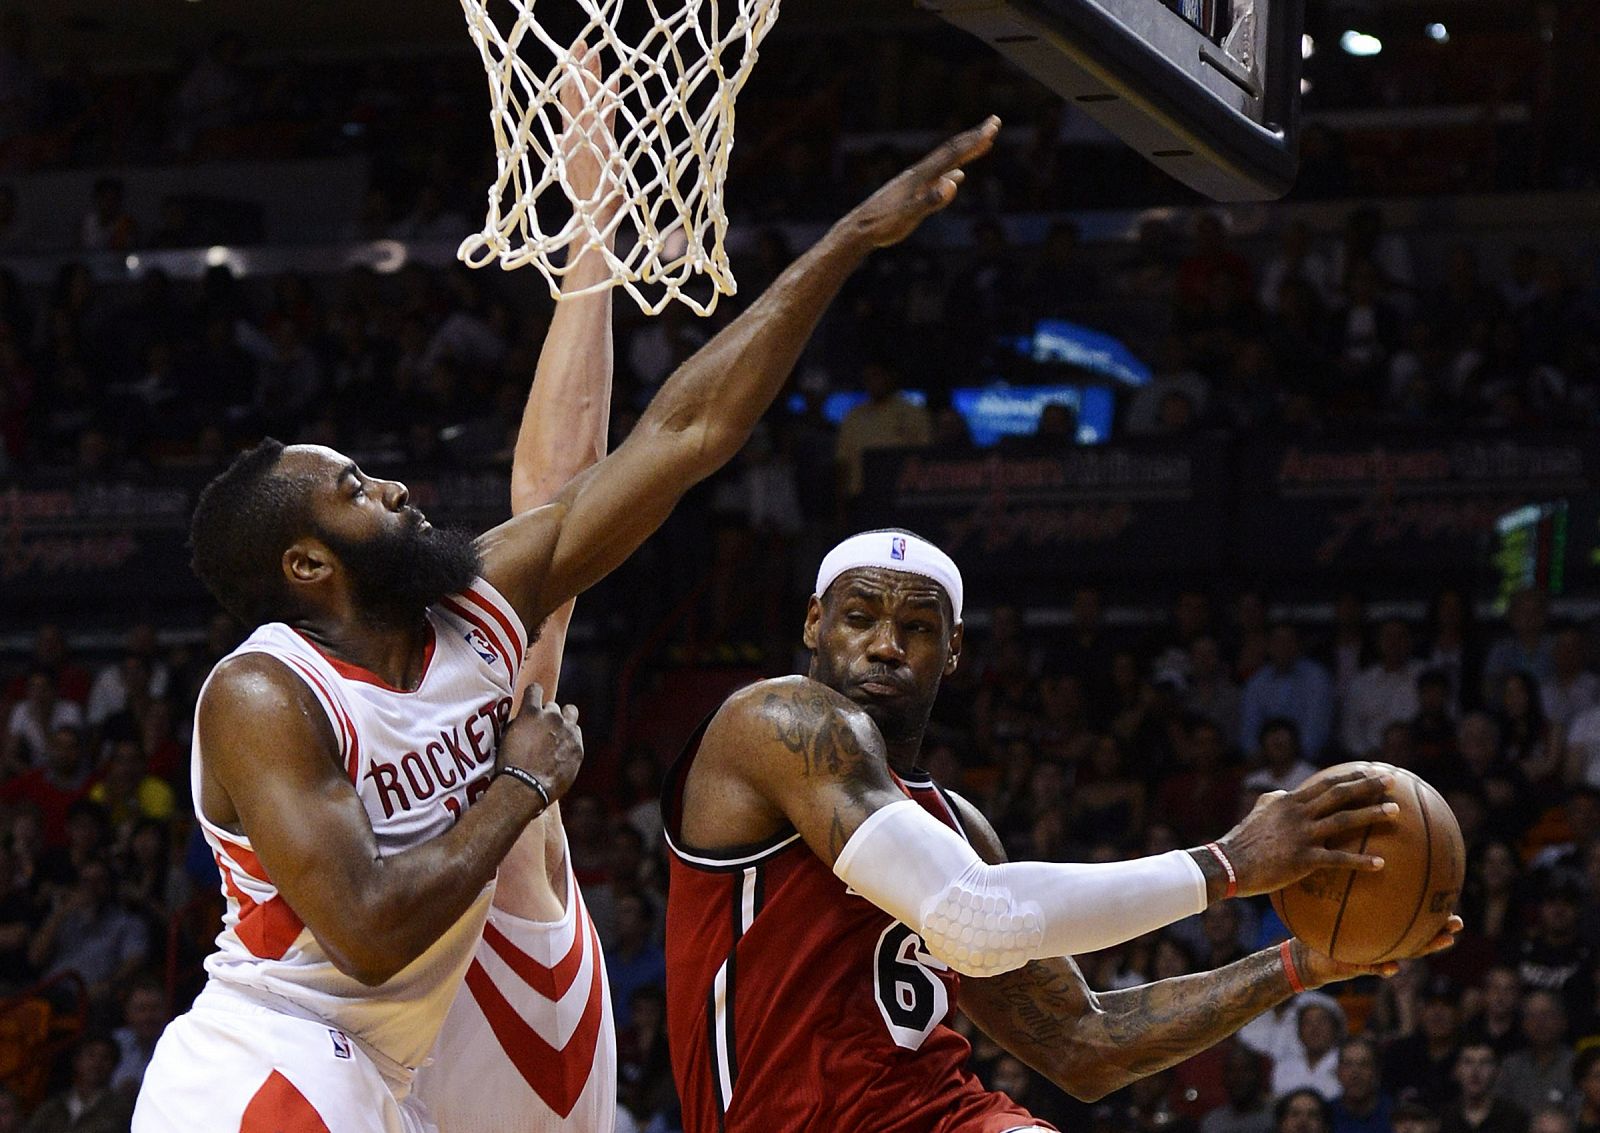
x,y
396,654
903,755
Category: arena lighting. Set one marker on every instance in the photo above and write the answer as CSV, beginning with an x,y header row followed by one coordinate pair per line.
x,y
1360,44
1438,33
1308,47
216,256
1305,86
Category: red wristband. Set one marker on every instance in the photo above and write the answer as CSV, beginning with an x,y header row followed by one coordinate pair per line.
x,y
1286,954
1227,867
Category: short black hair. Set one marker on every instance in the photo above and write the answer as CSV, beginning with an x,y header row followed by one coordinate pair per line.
x,y
243,521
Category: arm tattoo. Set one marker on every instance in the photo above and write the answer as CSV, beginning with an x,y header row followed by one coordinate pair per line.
x,y
1092,1044
808,724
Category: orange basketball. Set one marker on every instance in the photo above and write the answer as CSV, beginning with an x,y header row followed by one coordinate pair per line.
x,y
1365,918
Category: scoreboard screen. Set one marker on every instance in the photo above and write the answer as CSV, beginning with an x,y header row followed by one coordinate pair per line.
x,y
1529,551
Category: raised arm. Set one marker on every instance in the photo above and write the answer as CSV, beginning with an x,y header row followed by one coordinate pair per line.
x,y
568,410
705,411
272,770
1091,1043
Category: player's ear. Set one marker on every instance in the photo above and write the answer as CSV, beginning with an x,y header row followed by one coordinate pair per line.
x,y
307,560
808,635
958,637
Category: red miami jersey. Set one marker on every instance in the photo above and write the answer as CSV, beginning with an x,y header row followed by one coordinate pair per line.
x,y
794,1004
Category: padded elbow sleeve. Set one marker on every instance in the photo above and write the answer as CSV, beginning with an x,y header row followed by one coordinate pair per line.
x,y
983,920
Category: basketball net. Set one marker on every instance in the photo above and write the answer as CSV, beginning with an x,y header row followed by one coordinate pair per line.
x,y
672,92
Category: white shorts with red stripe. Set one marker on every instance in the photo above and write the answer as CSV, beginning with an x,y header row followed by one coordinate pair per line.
x,y
236,1065
529,1045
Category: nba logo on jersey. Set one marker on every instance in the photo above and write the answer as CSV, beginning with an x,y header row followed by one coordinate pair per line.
x,y
481,646
341,1043
897,549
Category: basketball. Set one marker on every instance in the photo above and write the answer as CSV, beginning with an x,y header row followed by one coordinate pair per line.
x,y
1365,918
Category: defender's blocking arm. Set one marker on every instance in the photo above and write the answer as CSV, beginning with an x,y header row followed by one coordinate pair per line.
x,y
704,412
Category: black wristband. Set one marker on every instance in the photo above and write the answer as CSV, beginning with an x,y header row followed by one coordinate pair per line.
x,y
527,779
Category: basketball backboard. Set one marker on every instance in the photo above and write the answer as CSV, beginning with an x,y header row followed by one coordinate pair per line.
x,y
1208,90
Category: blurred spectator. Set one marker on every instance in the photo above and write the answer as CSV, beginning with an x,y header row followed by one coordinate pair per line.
x,y
1211,692
1421,1064
108,226
152,884
1433,728
52,788
128,792
1414,1117
1528,648
1195,799
1302,1110
1553,957
1494,904
213,96
20,916
141,668
90,933
1383,693
1480,1107
633,959
886,419
1245,1080
1530,745
1295,259
1499,1020
1291,686
88,1104
1312,1059
1282,768
51,654
1540,1074
33,720
144,1016
1586,1077
1361,1106
1572,689
644,1068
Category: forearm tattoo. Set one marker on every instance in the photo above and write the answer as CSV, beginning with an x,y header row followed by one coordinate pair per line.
x,y
1093,1044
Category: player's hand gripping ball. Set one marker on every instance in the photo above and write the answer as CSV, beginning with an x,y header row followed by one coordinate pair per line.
x,y
1365,918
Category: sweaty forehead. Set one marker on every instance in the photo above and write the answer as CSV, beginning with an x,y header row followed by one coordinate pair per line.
x,y
884,585
317,463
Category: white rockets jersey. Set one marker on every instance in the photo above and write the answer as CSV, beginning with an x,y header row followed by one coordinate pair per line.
x,y
416,759
530,1045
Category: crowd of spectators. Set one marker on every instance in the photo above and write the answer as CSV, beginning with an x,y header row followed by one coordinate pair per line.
x,y
1089,742
1086,743
429,367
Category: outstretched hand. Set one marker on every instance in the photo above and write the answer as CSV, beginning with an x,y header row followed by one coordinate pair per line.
x,y
1317,969
588,145
1286,835
894,211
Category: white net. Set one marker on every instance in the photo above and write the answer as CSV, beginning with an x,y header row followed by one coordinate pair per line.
x,y
673,69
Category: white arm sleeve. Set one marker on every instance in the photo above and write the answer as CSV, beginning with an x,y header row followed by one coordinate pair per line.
x,y
986,919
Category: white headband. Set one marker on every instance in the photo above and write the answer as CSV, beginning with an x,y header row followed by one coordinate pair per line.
x,y
892,550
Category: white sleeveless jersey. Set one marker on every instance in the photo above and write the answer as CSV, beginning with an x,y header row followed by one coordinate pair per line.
x,y
417,760
530,1045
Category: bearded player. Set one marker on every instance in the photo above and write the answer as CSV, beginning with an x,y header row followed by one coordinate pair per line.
x,y
530,1044
355,771
828,901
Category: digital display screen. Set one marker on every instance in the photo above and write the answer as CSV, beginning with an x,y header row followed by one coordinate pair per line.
x,y
999,410
1530,551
